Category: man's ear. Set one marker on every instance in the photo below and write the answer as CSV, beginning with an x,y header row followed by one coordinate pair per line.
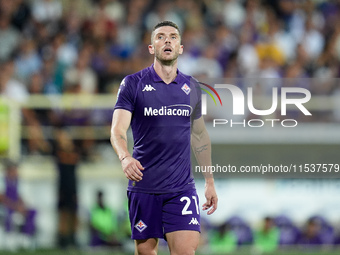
x,y
151,49
181,49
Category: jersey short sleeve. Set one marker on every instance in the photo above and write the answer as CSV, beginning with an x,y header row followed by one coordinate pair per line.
x,y
196,99
126,94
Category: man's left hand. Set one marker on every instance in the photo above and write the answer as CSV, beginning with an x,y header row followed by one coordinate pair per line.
x,y
211,196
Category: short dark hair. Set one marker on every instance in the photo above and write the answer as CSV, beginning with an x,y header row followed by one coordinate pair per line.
x,y
165,23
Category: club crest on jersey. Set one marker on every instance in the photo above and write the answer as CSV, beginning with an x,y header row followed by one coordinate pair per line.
x,y
186,89
140,226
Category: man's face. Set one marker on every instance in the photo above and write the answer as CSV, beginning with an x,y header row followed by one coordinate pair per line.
x,y
166,45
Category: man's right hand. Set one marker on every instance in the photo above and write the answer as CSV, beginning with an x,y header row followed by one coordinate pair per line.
x,y
132,169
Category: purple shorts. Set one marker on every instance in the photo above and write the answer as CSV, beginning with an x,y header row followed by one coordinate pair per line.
x,y
154,215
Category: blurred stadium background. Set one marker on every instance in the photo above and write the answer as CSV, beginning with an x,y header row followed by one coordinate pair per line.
x,y
61,65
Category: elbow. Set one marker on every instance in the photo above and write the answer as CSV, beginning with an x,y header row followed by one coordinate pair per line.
x,y
199,135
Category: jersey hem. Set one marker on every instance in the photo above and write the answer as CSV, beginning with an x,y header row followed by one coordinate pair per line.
x,y
122,107
188,187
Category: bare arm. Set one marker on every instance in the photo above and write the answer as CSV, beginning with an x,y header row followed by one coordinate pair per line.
x,y
120,123
201,146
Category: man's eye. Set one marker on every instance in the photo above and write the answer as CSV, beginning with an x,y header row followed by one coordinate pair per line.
x,y
160,37
174,37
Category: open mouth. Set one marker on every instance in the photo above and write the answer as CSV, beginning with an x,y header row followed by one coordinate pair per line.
x,y
167,49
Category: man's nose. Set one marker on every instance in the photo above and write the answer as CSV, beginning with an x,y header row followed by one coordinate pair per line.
x,y
167,40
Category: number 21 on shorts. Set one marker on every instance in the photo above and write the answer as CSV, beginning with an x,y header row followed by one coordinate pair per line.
x,y
187,201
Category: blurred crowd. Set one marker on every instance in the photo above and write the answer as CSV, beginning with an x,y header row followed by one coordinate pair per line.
x,y
89,46
273,234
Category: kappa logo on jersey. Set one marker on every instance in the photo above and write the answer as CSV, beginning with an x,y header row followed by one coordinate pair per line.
x,y
123,83
118,93
148,88
140,226
194,221
186,89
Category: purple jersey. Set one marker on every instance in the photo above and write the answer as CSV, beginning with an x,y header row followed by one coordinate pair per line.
x,y
12,188
161,118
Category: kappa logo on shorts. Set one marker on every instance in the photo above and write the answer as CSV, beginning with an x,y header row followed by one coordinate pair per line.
x,y
194,221
140,226
186,89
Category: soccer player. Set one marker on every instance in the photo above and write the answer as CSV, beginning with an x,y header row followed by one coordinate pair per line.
x,y
163,108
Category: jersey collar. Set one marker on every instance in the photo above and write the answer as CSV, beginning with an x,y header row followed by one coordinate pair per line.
x,y
156,78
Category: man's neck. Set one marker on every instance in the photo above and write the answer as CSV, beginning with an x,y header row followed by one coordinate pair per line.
x,y
167,73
